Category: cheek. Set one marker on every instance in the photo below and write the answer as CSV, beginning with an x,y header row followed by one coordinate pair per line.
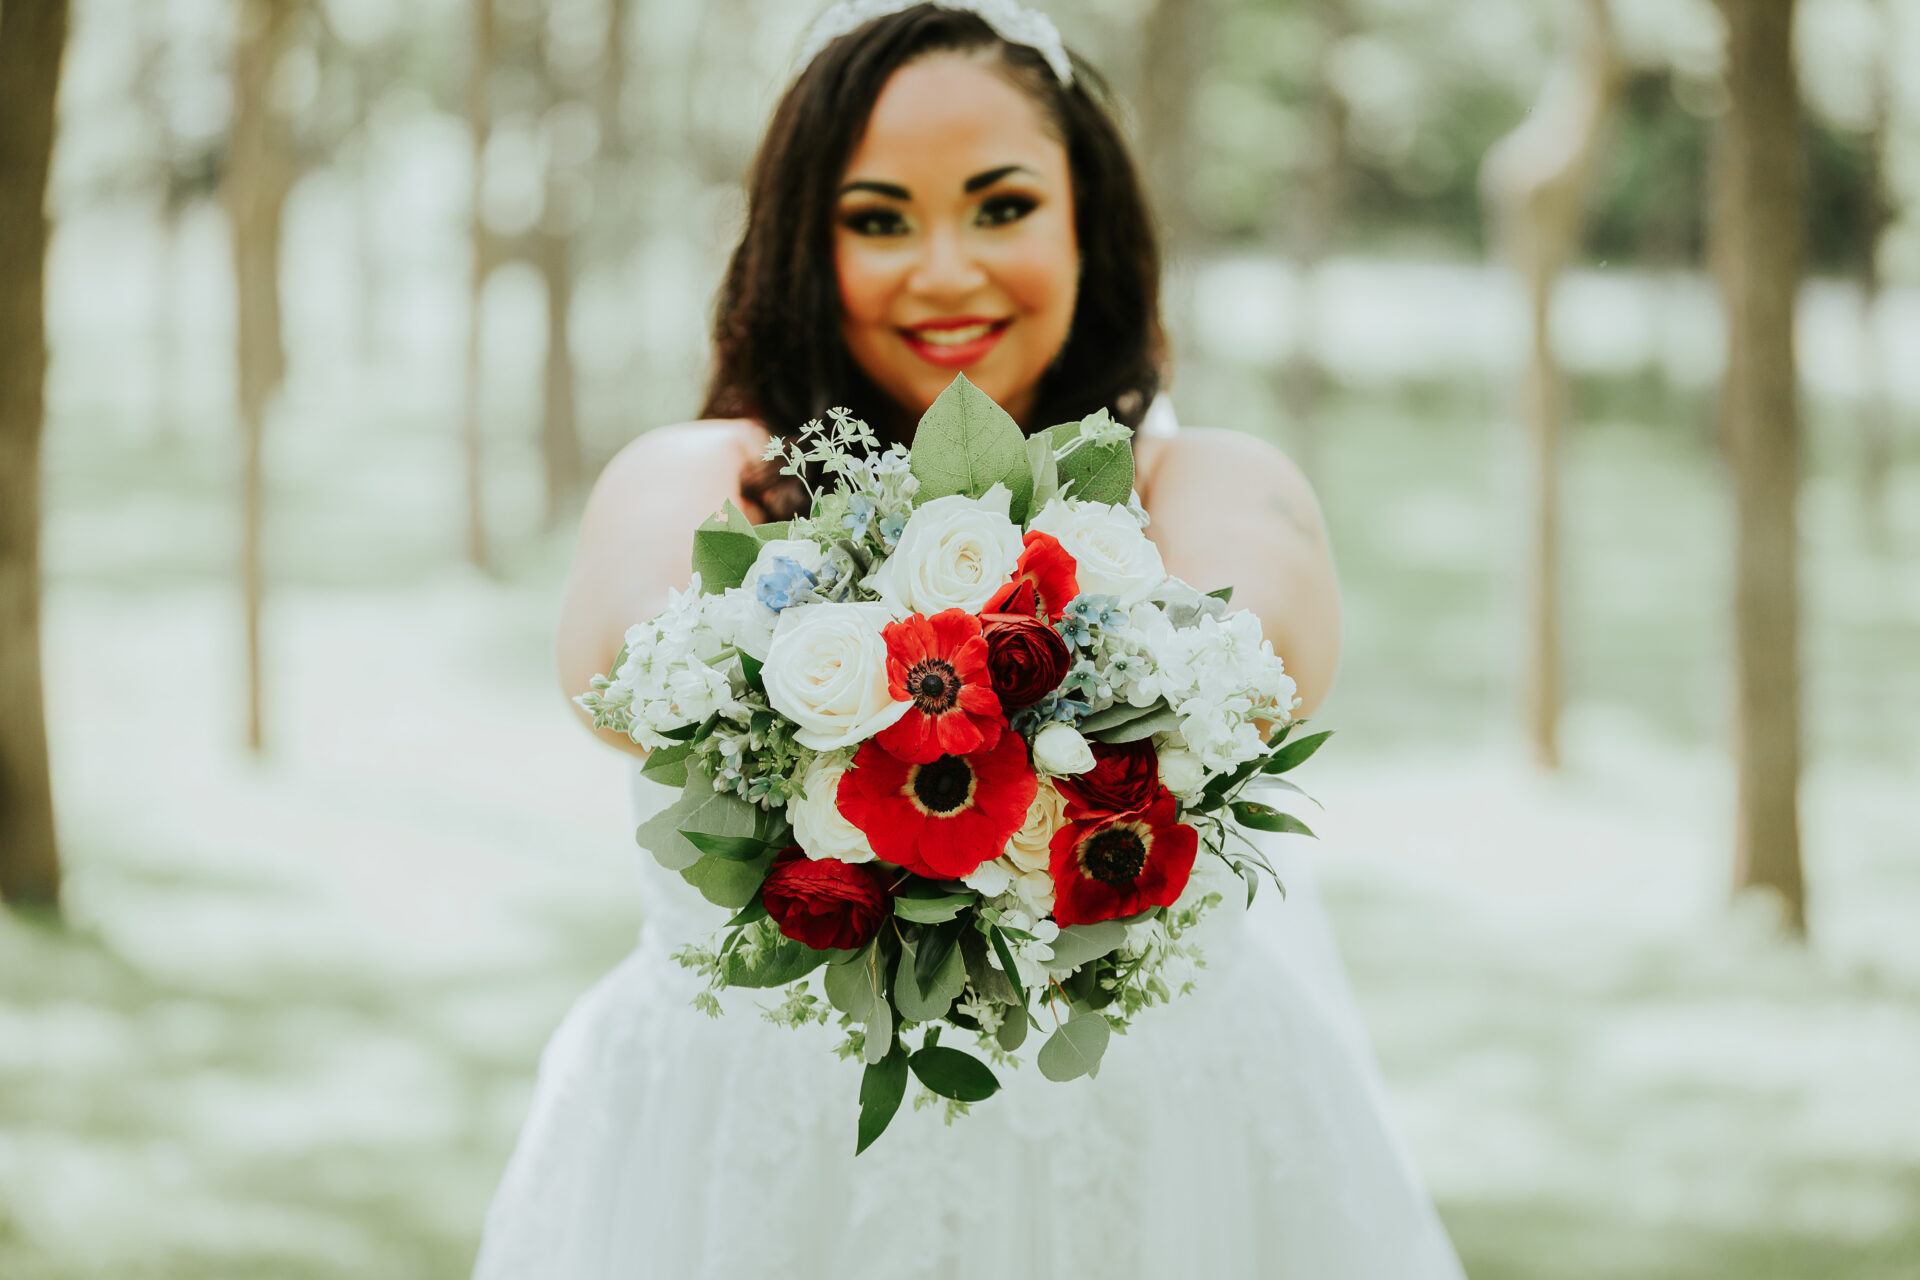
x,y
1042,275
868,281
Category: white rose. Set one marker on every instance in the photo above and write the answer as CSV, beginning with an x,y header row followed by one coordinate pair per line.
x,y
1059,749
809,555
827,672
1181,772
1111,555
818,825
1031,848
954,554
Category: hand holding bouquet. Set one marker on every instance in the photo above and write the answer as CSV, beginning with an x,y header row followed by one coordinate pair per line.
x,y
956,741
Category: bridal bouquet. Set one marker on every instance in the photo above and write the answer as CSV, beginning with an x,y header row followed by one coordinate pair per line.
x,y
954,748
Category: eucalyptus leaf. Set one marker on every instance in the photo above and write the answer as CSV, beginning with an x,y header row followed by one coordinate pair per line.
x,y
1296,753
724,549
668,765
1264,817
852,987
966,444
728,884
934,945
987,982
954,1073
933,910
1094,472
732,848
1076,1048
882,1086
767,957
1080,943
879,1029
1162,721
1118,714
926,1002
1013,1032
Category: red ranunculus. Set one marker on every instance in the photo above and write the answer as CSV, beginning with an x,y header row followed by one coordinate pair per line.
x,y
1045,581
1124,779
1026,658
944,818
939,664
1107,868
828,905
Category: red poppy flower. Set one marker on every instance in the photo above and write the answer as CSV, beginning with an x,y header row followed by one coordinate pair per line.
x,y
826,904
1109,868
944,818
1125,778
939,664
1045,581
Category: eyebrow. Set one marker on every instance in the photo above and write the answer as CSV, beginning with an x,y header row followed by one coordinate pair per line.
x,y
893,191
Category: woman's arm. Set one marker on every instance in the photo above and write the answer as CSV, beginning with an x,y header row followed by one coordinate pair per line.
x,y
636,541
1230,510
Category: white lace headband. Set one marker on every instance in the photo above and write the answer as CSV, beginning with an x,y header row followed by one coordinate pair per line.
x,y
1010,20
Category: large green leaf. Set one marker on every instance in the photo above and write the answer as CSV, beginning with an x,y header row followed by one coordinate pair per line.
x,y
1295,753
700,809
1044,471
966,444
668,765
724,548
1165,720
1095,472
732,848
766,957
728,884
882,1087
926,1001
933,910
1264,817
853,987
1013,1032
1076,1048
1079,943
954,1073
1118,714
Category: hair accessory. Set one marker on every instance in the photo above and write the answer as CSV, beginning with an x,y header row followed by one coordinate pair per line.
x,y
1010,20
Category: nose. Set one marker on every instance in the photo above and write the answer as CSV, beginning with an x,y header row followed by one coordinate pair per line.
x,y
947,268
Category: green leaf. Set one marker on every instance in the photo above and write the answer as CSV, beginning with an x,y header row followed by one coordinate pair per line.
x,y
1007,966
933,910
699,809
1076,1048
773,530
853,987
1118,714
668,765
732,848
882,1086
935,943
749,914
728,884
724,548
1264,817
1079,943
1045,470
1094,472
879,1029
767,957
1162,721
1224,595
954,1073
966,444
1013,1032
1295,753
750,668
927,1001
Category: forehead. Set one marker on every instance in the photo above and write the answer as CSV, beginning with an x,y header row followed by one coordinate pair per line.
x,y
946,117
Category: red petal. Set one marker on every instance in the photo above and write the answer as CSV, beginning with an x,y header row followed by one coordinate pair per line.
x,y
981,700
959,735
911,738
950,630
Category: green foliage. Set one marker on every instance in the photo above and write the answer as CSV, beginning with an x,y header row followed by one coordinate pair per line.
x,y
724,549
927,998
668,765
1294,754
882,1087
1153,720
934,910
966,444
764,957
1093,472
1075,1049
1080,943
700,810
1264,817
954,1073
728,884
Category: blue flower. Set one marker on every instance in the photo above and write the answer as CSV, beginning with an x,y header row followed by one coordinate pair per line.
x,y
891,527
784,583
860,512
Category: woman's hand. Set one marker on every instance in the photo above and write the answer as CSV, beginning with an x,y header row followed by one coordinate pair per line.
x,y
636,541
1230,510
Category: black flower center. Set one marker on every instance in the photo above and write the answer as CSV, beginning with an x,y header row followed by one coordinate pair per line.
x,y
934,686
943,787
1114,856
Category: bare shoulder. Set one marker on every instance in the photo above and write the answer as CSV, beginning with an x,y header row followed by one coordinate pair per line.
x,y
1203,463
687,454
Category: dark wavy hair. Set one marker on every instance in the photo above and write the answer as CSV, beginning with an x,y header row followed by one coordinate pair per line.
x,y
779,356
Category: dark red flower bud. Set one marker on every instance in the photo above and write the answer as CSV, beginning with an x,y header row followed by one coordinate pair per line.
x,y
828,905
1124,779
1026,658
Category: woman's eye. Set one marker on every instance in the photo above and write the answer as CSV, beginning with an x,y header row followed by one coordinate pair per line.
x,y
1004,209
874,222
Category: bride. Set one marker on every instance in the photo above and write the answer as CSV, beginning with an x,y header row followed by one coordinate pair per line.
x,y
941,189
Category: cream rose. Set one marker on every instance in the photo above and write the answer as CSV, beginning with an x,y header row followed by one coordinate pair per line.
x,y
1059,749
954,554
1181,772
1031,848
827,672
1111,555
818,825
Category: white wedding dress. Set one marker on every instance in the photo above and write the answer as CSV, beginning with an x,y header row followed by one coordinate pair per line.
x,y
1239,1133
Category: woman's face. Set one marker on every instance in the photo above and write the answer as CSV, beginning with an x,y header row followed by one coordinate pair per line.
x,y
954,238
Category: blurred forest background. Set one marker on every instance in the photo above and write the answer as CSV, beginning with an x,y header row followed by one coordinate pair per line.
x,y
347,301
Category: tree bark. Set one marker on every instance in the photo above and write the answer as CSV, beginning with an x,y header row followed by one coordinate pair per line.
x,y
259,175
1536,180
1759,231
1876,404
559,422
485,251
1172,38
33,38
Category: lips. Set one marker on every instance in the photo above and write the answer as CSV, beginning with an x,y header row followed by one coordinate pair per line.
x,y
956,343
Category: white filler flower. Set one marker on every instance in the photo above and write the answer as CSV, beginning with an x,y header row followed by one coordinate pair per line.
x,y
818,825
954,554
827,672
1111,555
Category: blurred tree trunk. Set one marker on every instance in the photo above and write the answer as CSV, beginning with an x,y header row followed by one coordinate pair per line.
x,y
1759,243
1173,38
485,254
1319,199
33,38
1876,405
259,175
1536,181
559,422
